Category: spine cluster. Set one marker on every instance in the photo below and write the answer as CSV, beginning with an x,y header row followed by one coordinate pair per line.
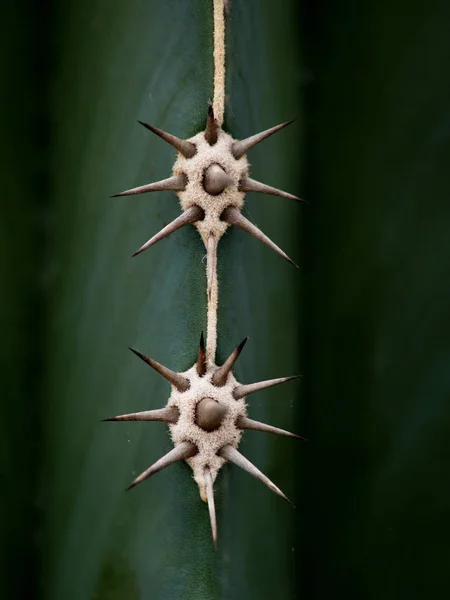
x,y
206,412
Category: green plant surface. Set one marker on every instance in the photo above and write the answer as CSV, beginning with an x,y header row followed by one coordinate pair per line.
x,y
377,291
22,221
119,62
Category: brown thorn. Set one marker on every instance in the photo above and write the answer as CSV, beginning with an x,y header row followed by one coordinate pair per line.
x,y
209,414
243,146
234,456
246,423
251,185
180,452
191,215
168,414
201,357
215,180
177,380
233,217
211,262
187,149
211,505
212,127
177,183
245,390
220,376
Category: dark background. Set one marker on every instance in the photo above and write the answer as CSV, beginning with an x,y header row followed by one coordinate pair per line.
x,y
366,322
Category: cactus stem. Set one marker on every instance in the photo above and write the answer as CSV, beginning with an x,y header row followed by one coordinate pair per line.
x,y
220,376
176,183
187,149
241,147
245,390
250,185
177,380
234,456
233,217
181,452
191,215
211,504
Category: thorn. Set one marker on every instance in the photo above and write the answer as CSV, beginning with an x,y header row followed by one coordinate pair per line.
x,y
211,505
177,183
234,456
180,382
191,215
243,146
215,180
180,452
209,414
169,414
246,423
245,390
211,262
220,376
212,127
201,357
187,149
250,185
233,217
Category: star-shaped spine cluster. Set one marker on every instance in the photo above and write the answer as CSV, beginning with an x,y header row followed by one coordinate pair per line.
x,y
206,414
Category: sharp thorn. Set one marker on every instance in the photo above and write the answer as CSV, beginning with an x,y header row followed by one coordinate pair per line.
x,y
233,217
211,263
187,149
220,376
246,423
245,390
211,505
176,183
243,146
251,185
177,380
180,452
201,357
215,180
168,414
209,414
234,456
191,215
212,127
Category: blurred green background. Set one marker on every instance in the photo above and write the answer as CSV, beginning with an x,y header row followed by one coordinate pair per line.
x,y
366,321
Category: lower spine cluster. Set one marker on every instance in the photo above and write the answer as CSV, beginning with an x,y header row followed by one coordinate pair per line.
x,y
207,412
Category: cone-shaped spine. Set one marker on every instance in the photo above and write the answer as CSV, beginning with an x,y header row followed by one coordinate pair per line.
x,y
233,217
187,149
181,452
180,382
220,376
201,357
215,180
209,414
245,390
191,215
234,456
251,185
212,127
168,414
211,504
176,183
243,146
246,423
